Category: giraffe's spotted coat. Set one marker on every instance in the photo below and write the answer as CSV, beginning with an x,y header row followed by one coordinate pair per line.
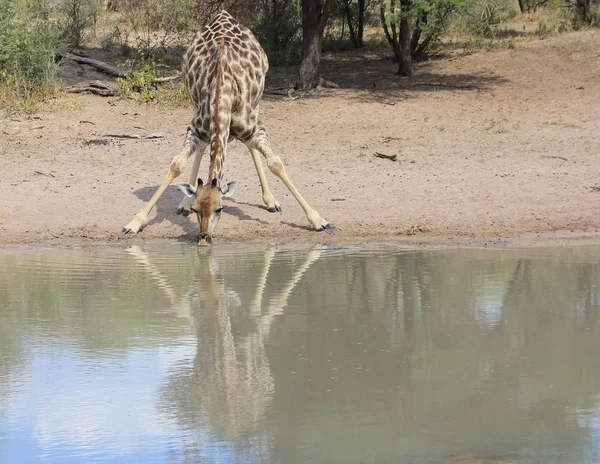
x,y
228,81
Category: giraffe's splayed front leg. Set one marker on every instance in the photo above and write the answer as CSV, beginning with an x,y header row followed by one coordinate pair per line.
x,y
272,205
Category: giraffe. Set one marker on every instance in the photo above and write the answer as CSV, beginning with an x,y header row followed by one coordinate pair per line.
x,y
224,69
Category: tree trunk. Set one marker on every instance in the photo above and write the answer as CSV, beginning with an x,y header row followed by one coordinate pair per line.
x,y
361,22
406,64
391,37
527,6
415,49
350,25
313,24
416,35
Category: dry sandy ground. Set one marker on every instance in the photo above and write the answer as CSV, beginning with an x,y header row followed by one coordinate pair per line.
x,y
490,145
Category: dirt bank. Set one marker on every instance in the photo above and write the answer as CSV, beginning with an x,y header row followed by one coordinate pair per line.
x,y
489,145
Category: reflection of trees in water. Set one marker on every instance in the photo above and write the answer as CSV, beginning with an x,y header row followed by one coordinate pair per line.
x,y
232,303
499,347
496,346
487,342
95,299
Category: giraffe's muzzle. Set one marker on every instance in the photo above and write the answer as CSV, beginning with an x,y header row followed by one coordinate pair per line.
x,y
204,239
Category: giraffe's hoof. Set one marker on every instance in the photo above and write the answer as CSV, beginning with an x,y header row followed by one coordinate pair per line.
x,y
182,211
275,209
327,226
135,225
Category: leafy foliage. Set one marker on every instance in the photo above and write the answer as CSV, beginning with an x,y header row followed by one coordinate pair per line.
x,y
137,83
28,45
584,13
75,17
483,15
156,25
278,28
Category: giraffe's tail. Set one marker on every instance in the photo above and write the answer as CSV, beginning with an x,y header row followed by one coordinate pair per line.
x,y
221,106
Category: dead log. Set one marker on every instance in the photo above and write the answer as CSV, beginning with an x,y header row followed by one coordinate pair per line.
x,y
95,87
99,65
112,70
141,136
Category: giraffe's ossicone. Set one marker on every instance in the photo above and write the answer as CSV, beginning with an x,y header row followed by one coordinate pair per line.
x,y
224,69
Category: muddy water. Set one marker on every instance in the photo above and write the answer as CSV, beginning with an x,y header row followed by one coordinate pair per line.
x,y
299,354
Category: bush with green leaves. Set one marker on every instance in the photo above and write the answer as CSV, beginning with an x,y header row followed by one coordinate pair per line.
x,y
414,28
584,13
28,46
278,27
482,17
158,25
75,17
138,80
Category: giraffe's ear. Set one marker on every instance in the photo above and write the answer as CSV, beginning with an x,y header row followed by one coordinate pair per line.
x,y
199,183
188,190
230,189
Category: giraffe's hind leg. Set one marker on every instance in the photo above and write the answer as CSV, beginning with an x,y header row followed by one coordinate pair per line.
x,y
272,205
260,142
186,204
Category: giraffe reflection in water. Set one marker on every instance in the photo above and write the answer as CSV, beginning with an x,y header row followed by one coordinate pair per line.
x,y
231,384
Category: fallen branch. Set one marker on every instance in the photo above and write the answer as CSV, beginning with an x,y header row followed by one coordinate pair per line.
x,y
384,156
95,87
141,136
99,65
325,84
283,93
112,70
555,157
44,174
160,80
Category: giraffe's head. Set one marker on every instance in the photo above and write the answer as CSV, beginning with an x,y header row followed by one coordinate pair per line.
x,y
207,203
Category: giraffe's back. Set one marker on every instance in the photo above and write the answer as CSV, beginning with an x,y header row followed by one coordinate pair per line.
x,y
245,65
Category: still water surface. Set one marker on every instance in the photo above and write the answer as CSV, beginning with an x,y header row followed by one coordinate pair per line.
x,y
263,354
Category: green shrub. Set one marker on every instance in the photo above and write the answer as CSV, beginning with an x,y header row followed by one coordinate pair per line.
x,y
157,25
28,46
137,83
584,13
75,16
484,15
279,30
